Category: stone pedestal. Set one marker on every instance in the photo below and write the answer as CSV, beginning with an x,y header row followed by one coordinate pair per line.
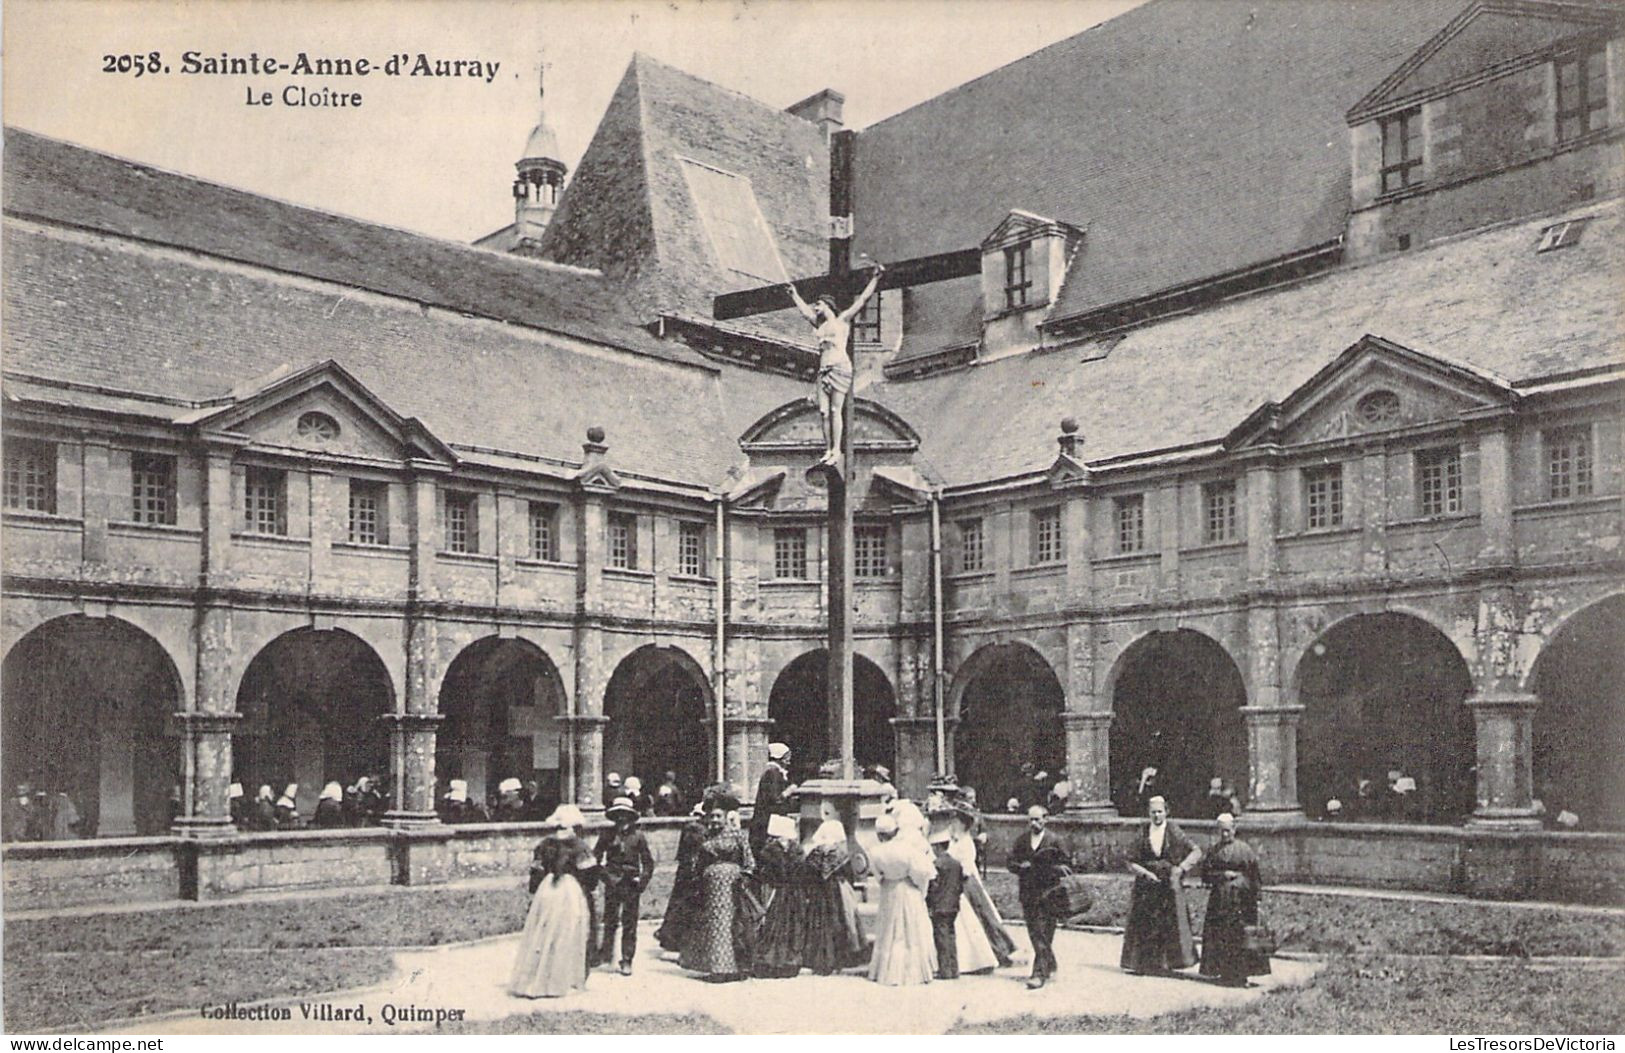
x,y
917,754
411,737
857,803
1505,759
208,747
1088,764
587,745
744,748
1272,764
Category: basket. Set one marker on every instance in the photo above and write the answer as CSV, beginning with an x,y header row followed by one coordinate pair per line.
x,y
1069,898
1258,939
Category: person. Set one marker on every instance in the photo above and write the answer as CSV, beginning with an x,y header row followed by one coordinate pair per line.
x,y
363,804
237,806
19,813
633,787
978,828
683,906
882,774
1059,796
668,798
770,793
1039,860
834,940
1231,871
263,817
834,361
625,866
722,860
553,948
455,807
1334,810
1220,800
1157,938
904,951
511,805
287,807
612,786
63,821
978,910
782,942
943,899
329,808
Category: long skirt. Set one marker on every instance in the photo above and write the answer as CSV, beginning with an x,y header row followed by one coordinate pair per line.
x,y
681,912
1158,934
552,957
834,940
971,945
710,944
905,952
781,943
987,914
1224,955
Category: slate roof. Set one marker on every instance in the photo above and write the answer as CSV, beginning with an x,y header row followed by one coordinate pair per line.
x,y
1189,138
629,210
1485,300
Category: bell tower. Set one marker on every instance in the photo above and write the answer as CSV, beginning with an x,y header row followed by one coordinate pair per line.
x,y
540,180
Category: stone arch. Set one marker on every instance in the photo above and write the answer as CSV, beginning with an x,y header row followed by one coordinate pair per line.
x,y
659,704
1382,692
310,701
87,714
1578,726
798,707
501,698
1009,702
1176,702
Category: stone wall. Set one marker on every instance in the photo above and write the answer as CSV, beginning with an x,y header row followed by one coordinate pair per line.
x,y
76,873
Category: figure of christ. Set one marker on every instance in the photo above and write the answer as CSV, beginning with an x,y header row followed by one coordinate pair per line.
x,y
834,361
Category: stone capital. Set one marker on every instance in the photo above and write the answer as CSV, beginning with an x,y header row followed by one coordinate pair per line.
x,y
583,721
922,723
198,722
1264,716
412,721
1512,704
1087,721
745,723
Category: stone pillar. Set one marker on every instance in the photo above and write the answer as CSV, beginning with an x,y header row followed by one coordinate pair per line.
x,y
1272,763
208,759
916,754
1505,776
412,738
1495,497
1088,764
587,742
116,762
745,746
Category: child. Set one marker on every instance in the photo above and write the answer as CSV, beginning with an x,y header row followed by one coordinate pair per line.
x,y
942,900
627,867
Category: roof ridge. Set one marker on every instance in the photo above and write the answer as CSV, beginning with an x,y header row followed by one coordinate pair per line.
x,y
645,57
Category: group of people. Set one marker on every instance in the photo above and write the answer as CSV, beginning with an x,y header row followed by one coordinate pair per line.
x,y
39,815
361,803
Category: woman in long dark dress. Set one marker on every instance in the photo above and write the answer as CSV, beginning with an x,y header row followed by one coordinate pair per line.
x,y
1230,869
723,860
684,905
552,957
781,866
833,939
1158,935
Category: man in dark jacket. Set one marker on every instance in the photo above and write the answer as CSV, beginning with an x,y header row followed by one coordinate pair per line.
x,y
626,866
942,900
1038,859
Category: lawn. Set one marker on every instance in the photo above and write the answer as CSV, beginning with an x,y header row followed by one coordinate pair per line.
x,y
1385,995
577,1022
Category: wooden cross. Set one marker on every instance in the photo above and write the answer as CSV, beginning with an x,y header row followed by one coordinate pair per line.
x,y
844,283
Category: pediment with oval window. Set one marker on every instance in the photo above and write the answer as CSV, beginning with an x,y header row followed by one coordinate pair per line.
x,y
1374,386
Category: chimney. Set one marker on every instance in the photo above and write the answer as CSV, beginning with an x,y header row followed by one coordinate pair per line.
x,y
822,109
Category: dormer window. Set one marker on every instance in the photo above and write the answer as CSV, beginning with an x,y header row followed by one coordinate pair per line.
x,y
1582,93
866,326
1402,150
1018,280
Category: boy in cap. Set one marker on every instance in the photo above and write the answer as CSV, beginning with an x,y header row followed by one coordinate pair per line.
x,y
625,866
942,900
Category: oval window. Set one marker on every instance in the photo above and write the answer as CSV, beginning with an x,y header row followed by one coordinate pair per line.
x,y
318,427
1379,407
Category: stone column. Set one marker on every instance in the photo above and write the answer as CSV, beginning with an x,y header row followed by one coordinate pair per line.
x,y
916,754
1272,763
1505,776
587,740
208,758
412,738
745,748
1088,764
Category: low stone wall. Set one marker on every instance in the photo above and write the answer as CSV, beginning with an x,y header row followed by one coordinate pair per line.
x,y
1537,865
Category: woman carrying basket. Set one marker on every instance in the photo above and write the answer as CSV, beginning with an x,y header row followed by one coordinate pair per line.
x,y
1234,945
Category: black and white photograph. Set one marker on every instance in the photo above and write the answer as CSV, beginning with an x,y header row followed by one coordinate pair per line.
x,y
813,517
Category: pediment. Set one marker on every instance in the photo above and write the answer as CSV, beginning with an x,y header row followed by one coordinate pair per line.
x,y
1067,471
322,410
1490,37
1374,386
797,428
1020,225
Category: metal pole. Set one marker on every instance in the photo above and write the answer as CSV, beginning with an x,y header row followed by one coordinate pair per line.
x,y
848,499
720,662
936,632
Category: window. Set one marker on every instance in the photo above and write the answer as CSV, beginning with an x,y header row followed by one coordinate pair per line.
x,y
369,512
1401,150
1378,408
691,550
1568,463
1018,281
1046,536
790,553
462,530
1560,235
152,488
971,546
544,531
1219,512
728,210
623,541
866,326
30,475
264,504
317,427
1438,482
1323,497
869,551
1130,513
1582,93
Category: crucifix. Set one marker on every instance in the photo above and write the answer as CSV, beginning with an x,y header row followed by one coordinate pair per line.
x,y
836,470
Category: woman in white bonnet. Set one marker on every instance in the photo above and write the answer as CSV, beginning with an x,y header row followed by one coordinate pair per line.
x,y
553,949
